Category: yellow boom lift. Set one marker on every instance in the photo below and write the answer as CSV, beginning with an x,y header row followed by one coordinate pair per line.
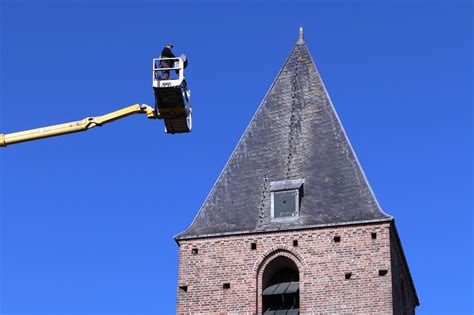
x,y
171,104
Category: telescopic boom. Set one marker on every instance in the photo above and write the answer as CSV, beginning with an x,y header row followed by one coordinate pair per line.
x,y
172,104
76,126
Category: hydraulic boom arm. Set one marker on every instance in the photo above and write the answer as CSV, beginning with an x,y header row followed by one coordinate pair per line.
x,y
76,126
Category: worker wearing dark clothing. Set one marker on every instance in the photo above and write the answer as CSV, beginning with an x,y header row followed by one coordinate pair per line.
x,y
167,53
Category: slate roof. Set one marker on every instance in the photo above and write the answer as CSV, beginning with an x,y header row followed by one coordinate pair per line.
x,y
295,134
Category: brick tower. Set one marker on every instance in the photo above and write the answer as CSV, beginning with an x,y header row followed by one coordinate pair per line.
x,y
291,225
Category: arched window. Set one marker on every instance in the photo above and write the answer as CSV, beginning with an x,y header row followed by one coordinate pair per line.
x,y
280,285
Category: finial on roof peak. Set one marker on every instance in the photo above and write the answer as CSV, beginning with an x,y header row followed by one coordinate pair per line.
x,y
300,35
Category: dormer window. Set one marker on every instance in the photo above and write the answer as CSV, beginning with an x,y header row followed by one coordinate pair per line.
x,y
285,204
285,198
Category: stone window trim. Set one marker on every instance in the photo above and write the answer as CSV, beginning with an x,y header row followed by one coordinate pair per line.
x,y
292,185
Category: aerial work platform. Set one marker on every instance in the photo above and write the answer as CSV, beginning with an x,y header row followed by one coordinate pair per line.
x,y
171,104
172,97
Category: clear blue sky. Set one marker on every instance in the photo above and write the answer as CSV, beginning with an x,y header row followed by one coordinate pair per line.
x,y
87,220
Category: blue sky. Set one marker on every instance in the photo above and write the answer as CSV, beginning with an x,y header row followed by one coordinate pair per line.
x,y
87,220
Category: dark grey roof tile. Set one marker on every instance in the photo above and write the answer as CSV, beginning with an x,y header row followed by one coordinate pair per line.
x,y
295,134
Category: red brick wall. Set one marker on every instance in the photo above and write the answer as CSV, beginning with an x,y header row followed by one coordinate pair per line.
x,y
322,266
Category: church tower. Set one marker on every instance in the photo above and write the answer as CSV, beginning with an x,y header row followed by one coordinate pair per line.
x,y
291,225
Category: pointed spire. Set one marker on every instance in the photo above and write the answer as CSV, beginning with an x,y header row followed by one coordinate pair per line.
x,y
295,136
300,35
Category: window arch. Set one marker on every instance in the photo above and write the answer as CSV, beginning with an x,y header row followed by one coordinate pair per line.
x,y
280,287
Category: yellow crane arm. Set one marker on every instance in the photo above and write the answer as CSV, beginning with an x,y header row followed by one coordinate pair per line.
x,y
76,126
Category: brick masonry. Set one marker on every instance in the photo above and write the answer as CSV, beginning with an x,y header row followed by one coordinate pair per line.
x,y
322,265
